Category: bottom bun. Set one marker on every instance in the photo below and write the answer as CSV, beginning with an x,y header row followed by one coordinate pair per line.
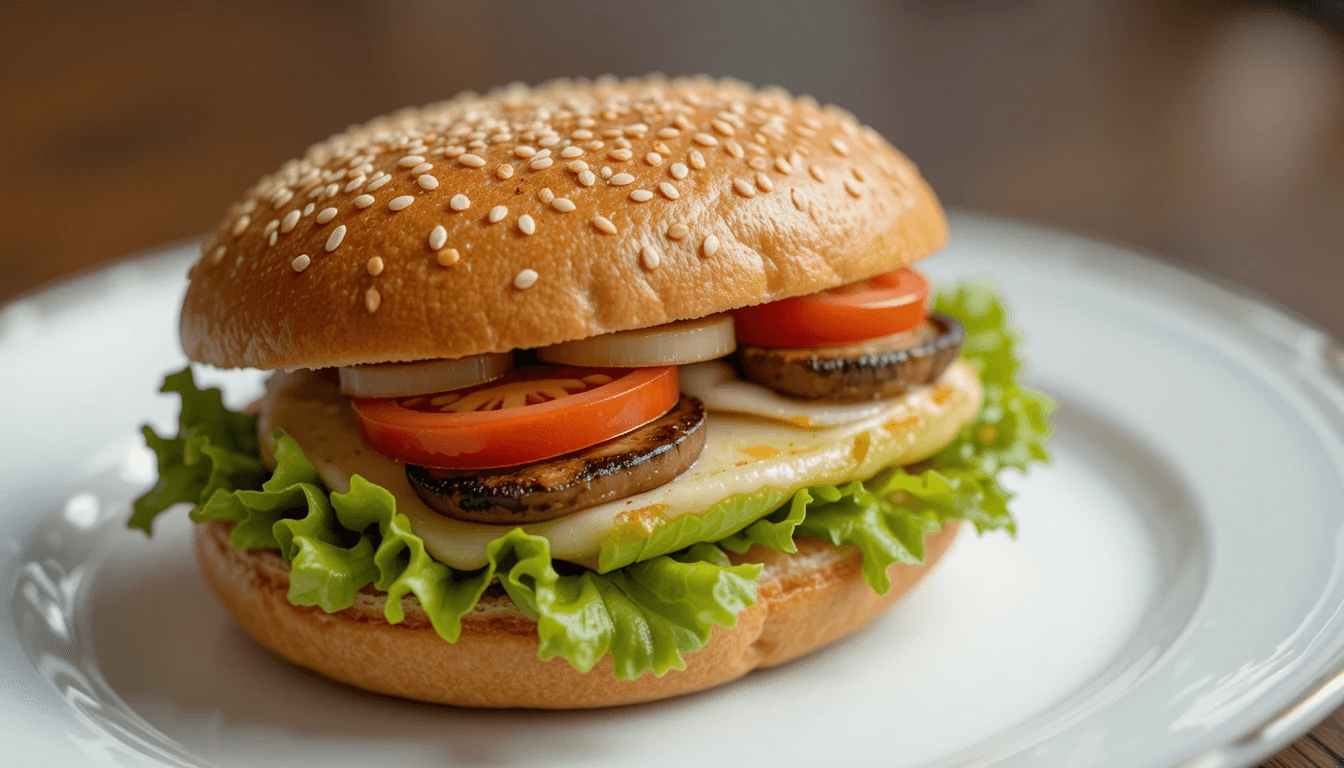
x,y
804,601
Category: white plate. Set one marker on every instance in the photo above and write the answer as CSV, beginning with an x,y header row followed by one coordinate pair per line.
x,y
1175,593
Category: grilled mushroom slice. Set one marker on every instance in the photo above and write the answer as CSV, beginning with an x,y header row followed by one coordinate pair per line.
x,y
637,461
866,370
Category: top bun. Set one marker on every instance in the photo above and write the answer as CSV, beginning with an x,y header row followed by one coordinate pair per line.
x,y
532,216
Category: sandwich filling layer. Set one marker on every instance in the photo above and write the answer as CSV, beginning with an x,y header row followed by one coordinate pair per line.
x,y
745,458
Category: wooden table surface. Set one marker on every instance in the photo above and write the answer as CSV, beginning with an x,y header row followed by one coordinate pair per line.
x,y
1210,132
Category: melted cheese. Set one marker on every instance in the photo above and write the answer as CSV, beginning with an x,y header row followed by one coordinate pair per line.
x,y
742,454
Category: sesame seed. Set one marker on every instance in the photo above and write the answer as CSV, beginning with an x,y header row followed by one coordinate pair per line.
x,y
578,166
307,209
764,183
504,171
603,224
733,148
459,202
354,183
705,140
587,179
650,257
400,202
582,134
290,221
427,182
525,279
637,129
271,226
641,195
438,237
594,145
300,262
668,133
326,214
562,204
710,246
662,148
840,147
697,160
240,225
621,179
817,173
541,154
410,160
526,225
723,128
799,201
682,122
471,161
524,151
363,201
758,163
859,175
271,240
375,266
282,197
669,190
541,163
335,238
549,141
218,255
372,299
377,183
496,214
421,168
621,155
653,158
743,188
454,151
571,151
853,188
782,165
447,257
678,232
545,195
679,171
330,190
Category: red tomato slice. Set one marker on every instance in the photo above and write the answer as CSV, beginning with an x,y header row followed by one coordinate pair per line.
x,y
530,414
879,306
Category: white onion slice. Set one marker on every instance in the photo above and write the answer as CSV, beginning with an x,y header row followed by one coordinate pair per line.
x,y
686,341
423,376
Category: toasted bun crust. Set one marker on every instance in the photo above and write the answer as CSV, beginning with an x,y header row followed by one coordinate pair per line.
x,y
805,601
448,230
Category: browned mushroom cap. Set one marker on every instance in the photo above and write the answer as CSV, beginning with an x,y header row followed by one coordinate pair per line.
x,y
866,370
637,461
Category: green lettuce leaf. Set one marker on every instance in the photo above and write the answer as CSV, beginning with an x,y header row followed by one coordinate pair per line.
x,y
215,449
645,611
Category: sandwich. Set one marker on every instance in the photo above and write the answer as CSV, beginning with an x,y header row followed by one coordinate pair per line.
x,y
587,394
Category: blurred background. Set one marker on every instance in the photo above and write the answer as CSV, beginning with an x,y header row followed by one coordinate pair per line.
x,y
1212,132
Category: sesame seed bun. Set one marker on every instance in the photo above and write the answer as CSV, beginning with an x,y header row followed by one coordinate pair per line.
x,y
529,217
805,601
